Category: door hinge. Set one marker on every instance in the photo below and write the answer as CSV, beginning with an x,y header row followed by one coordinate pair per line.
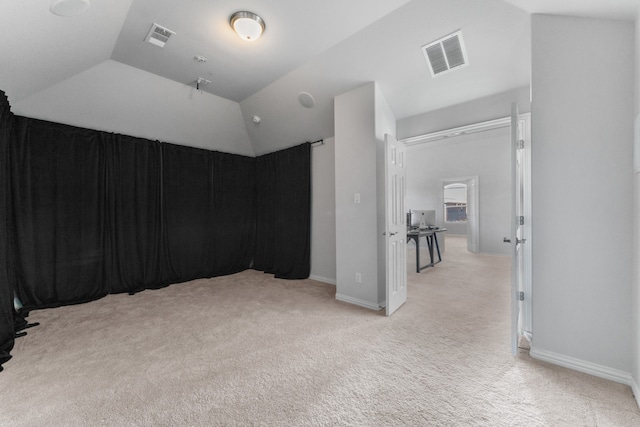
x,y
521,296
521,220
521,144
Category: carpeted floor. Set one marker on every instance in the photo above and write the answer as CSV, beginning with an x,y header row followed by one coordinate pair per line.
x,y
248,349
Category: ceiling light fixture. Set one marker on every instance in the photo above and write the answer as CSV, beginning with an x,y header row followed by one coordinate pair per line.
x,y
247,25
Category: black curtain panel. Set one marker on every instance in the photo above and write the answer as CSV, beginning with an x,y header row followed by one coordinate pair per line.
x,y
134,189
233,181
6,288
188,213
208,212
58,196
283,219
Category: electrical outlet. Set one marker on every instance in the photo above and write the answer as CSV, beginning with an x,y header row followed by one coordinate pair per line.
x,y
356,198
358,278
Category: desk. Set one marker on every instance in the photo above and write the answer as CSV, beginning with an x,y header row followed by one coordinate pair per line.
x,y
431,235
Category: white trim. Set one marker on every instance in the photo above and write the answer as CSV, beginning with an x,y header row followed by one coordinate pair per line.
x,y
636,390
356,301
461,130
579,365
323,279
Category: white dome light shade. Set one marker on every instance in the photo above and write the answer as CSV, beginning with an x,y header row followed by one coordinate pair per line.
x,y
69,8
247,25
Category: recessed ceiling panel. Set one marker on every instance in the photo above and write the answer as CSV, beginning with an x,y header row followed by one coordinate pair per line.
x,y
295,32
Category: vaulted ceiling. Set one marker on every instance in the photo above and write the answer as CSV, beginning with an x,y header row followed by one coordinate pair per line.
x,y
62,69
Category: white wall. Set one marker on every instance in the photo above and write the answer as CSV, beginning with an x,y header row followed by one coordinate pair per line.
x,y
104,96
481,110
323,212
362,118
636,226
356,172
582,186
483,154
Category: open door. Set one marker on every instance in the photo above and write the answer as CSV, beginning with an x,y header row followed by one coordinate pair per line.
x,y
395,223
516,238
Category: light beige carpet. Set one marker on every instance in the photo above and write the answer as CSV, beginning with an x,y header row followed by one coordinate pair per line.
x,y
248,349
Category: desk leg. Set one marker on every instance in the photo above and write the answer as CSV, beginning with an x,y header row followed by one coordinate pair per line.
x,y
417,240
430,246
435,236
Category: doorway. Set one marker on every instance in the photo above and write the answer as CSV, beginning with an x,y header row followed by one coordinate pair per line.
x,y
460,213
482,149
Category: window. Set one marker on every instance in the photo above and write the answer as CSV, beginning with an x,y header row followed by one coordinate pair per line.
x,y
455,202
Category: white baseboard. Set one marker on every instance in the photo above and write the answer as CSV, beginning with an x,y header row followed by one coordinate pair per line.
x,y
323,279
579,365
636,390
356,301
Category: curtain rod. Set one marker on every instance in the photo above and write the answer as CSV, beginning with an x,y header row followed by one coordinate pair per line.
x,y
317,143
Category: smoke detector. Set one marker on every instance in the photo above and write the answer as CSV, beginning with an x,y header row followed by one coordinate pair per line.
x,y
158,35
446,54
69,8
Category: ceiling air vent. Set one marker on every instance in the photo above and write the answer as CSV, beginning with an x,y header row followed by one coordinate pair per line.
x,y
446,54
158,35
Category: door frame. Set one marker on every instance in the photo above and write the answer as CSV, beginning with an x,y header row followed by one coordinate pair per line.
x,y
527,322
527,287
473,194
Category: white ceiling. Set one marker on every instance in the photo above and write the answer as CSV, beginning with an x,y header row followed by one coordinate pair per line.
x,y
608,9
322,47
296,31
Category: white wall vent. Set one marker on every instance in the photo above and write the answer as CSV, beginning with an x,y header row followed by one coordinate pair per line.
x,y
446,54
158,35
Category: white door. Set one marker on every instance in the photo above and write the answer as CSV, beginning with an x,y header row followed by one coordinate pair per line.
x,y
517,220
395,173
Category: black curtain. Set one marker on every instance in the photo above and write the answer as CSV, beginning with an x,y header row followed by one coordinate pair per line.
x,y
233,181
135,250
188,210
58,196
84,213
208,207
283,206
6,289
